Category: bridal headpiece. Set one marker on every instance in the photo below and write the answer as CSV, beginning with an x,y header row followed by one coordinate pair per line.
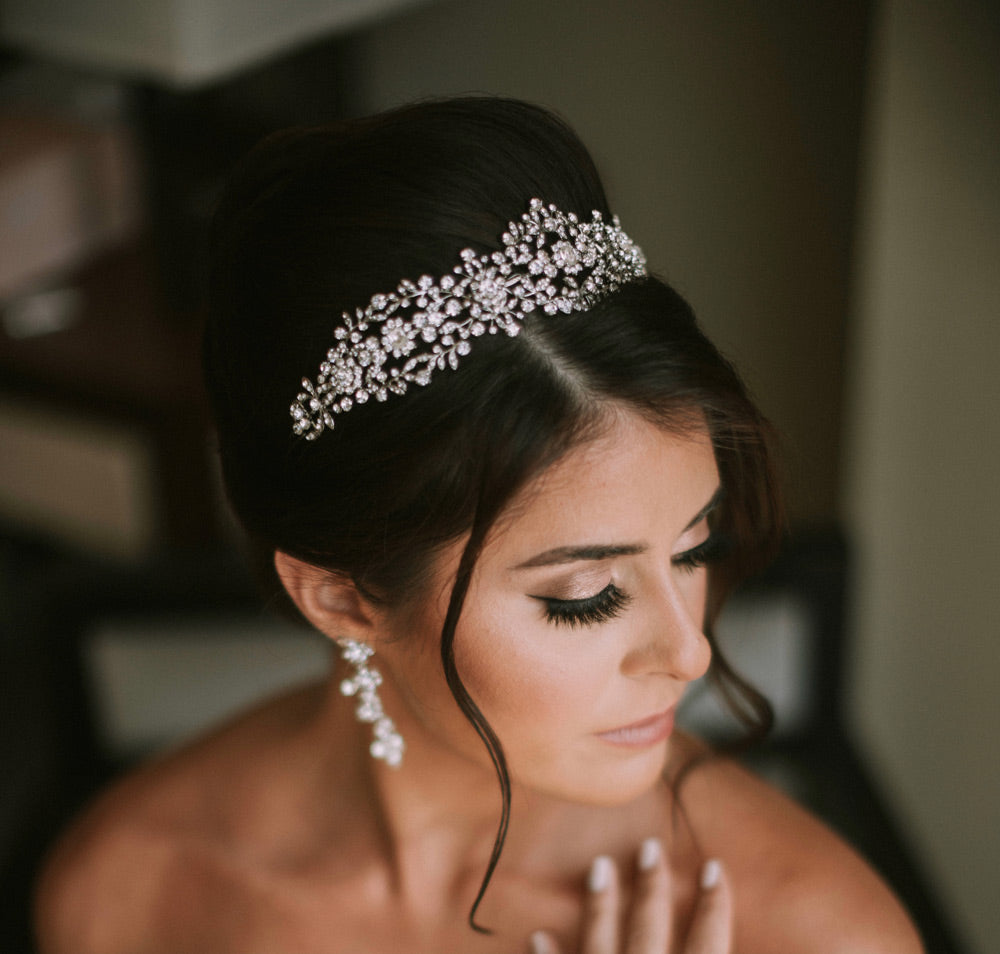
x,y
550,261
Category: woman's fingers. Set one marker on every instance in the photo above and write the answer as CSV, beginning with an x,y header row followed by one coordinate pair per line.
x,y
599,926
648,927
543,943
600,909
711,930
646,930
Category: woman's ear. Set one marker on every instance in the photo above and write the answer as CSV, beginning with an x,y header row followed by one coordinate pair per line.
x,y
331,603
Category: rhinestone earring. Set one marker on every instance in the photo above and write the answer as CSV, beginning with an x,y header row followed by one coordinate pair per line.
x,y
387,743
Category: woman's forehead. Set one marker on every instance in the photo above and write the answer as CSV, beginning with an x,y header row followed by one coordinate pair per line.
x,y
632,472
611,486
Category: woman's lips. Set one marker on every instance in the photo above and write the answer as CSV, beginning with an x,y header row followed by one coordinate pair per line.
x,y
640,734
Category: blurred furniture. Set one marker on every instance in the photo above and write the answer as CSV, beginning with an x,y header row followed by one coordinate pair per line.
x,y
104,424
180,42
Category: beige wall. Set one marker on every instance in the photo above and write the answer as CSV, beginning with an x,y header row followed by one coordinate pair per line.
x,y
923,461
698,113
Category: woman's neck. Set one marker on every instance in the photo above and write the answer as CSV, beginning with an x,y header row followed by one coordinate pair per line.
x,y
432,822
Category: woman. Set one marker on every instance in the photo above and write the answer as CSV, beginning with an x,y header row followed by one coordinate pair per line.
x,y
514,491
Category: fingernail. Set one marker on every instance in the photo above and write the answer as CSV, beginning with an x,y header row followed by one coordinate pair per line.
x,y
541,943
649,854
710,874
600,874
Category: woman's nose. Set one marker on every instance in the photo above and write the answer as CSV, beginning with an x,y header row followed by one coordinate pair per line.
x,y
670,640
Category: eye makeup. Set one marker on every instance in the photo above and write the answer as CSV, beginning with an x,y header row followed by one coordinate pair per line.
x,y
600,607
715,548
610,601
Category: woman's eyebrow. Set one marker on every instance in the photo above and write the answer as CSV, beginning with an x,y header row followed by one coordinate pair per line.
x,y
714,502
572,554
558,555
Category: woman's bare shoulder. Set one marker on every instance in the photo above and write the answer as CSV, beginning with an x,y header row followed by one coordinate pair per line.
x,y
797,885
157,831
100,885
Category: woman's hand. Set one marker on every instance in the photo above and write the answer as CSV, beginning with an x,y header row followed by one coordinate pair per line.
x,y
648,928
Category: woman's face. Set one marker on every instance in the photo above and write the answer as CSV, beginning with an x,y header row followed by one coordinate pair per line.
x,y
583,622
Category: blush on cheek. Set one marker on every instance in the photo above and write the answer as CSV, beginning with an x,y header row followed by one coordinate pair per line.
x,y
503,683
534,696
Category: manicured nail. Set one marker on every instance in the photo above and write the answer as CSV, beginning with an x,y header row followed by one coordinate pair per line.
x,y
541,943
710,874
649,854
600,874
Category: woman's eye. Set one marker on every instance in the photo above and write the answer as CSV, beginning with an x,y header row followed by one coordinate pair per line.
x,y
585,612
715,548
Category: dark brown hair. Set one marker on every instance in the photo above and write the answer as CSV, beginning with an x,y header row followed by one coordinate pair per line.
x,y
316,221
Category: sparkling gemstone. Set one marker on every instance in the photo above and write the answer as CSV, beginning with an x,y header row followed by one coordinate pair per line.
x,y
496,290
565,255
396,339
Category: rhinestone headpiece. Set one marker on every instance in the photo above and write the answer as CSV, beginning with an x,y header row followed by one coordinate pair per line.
x,y
550,261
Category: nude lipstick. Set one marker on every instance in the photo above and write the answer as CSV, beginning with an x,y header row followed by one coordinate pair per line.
x,y
641,734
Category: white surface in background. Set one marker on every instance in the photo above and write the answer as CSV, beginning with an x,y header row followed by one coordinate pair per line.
x,y
155,682
770,640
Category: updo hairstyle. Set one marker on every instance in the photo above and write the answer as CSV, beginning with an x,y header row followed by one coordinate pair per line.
x,y
315,221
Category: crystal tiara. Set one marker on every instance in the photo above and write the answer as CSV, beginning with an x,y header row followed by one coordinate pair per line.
x,y
550,261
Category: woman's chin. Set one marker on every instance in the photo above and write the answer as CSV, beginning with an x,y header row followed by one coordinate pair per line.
x,y
611,784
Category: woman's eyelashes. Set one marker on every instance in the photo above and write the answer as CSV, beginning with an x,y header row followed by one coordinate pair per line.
x,y
714,549
609,602
587,611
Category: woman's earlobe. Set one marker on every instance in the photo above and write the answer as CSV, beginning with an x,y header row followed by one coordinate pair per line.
x,y
331,603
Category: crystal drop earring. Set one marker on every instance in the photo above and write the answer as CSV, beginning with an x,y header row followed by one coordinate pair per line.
x,y
388,743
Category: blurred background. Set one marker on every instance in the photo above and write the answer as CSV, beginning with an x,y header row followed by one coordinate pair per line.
x,y
821,180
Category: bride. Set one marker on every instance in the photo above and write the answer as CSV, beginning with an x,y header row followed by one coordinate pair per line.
x,y
499,465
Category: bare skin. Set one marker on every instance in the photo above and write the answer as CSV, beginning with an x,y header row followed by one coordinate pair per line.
x,y
278,832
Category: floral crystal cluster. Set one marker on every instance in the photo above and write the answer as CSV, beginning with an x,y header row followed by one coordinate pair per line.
x,y
387,743
550,261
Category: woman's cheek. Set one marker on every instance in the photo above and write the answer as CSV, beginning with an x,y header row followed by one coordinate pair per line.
x,y
526,674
